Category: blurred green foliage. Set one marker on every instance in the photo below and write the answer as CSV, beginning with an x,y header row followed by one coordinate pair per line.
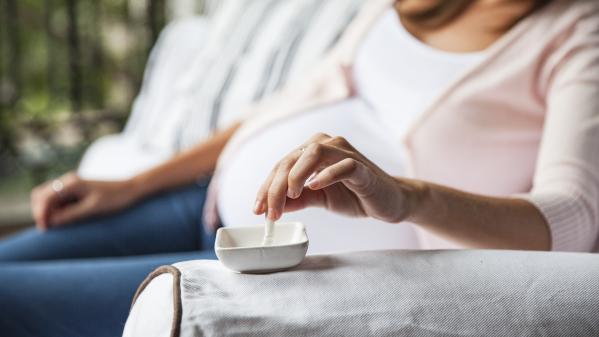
x,y
68,62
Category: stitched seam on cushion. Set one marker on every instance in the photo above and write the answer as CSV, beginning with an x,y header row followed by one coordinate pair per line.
x,y
177,305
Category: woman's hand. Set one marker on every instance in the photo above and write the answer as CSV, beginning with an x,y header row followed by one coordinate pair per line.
x,y
71,198
329,172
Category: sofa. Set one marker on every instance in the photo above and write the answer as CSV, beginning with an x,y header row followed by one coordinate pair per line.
x,y
201,71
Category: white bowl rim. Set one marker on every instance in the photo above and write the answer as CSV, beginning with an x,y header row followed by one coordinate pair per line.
x,y
295,223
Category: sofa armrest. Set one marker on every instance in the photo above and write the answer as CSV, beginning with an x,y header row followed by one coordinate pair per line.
x,y
387,293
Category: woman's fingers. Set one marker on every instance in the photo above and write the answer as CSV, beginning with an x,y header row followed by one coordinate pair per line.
x,y
315,157
308,177
317,138
261,197
72,212
331,157
45,209
292,173
45,200
268,194
41,200
350,171
308,198
277,192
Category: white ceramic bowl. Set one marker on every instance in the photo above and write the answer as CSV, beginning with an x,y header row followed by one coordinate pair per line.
x,y
240,248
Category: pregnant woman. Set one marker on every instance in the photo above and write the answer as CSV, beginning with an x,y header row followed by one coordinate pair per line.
x,y
479,119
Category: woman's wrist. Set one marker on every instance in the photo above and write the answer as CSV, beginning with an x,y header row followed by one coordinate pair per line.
x,y
414,194
138,187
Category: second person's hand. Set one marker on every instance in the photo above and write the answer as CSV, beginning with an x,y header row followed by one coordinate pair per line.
x,y
71,198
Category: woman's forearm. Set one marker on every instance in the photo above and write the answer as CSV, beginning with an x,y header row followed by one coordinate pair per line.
x,y
329,172
185,167
477,221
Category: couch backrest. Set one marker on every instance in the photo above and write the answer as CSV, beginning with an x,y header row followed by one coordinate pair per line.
x,y
203,71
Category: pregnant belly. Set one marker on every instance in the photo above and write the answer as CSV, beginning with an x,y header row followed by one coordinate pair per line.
x,y
328,232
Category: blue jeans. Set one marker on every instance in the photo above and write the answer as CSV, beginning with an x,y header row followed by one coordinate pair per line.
x,y
79,280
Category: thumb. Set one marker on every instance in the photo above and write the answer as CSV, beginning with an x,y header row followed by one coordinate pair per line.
x,y
71,212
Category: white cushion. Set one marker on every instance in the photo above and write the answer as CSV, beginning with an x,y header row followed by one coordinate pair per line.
x,y
153,314
389,293
151,134
118,157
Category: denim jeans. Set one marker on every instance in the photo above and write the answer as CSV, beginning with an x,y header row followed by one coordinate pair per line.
x,y
79,280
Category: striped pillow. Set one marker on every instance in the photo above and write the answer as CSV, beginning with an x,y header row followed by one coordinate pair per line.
x,y
252,48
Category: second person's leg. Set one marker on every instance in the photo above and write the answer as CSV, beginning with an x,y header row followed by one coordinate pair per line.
x,y
169,222
87,297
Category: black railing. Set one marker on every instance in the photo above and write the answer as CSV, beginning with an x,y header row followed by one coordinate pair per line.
x,y
82,59
54,55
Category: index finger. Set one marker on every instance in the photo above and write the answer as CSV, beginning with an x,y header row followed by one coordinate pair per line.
x,y
314,158
261,203
42,202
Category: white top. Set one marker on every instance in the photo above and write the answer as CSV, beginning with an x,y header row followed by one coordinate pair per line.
x,y
395,76
399,76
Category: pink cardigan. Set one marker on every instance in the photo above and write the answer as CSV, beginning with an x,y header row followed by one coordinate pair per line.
x,y
524,122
